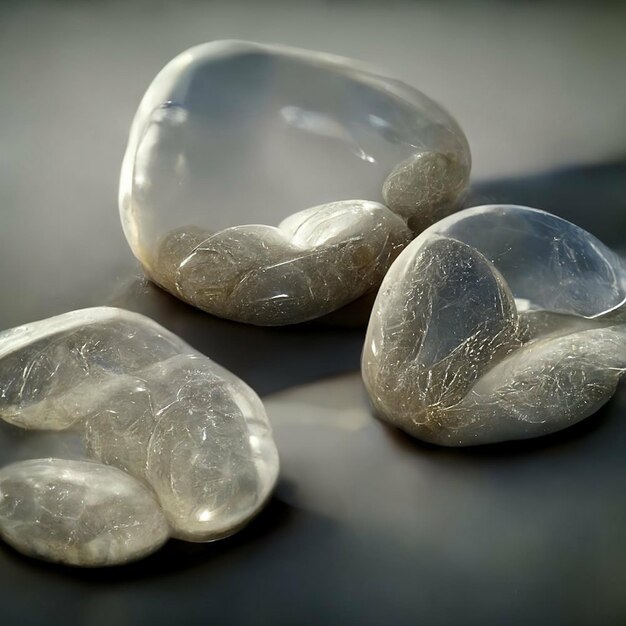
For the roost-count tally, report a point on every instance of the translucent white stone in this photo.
(233, 135)
(499, 322)
(78, 513)
(142, 400)
(549, 264)
(53, 371)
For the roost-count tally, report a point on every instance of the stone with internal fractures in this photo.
(52, 370)
(462, 348)
(78, 513)
(543, 387)
(426, 187)
(147, 403)
(198, 436)
(206, 464)
(315, 262)
(232, 137)
(118, 427)
(435, 331)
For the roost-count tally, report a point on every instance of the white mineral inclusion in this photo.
(192, 443)
(496, 323)
(235, 142)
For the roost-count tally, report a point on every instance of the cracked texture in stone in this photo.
(426, 187)
(499, 322)
(78, 513)
(315, 261)
(114, 387)
(233, 141)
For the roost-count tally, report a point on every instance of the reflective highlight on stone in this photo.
(499, 322)
(234, 143)
(143, 401)
(78, 513)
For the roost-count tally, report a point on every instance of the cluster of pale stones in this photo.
(153, 440)
(497, 323)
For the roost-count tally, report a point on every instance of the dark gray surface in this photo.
(366, 525)
(369, 526)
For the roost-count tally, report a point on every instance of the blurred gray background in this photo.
(534, 85)
(367, 526)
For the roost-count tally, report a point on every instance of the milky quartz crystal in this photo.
(119, 435)
(272, 185)
(496, 323)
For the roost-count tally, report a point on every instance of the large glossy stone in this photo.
(496, 323)
(142, 400)
(78, 513)
(235, 142)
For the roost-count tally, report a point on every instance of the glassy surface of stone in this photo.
(78, 513)
(499, 322)
(233, 135)
(114, 387)
(316, 260)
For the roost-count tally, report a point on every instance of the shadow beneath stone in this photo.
(174, 556)
(269, 359)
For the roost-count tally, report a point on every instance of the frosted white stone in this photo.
(234, 143)
(499, 322)
(142, 400)
(78, 513)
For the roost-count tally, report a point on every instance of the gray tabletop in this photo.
(367, 526)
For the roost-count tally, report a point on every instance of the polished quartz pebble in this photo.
(499, 322)
(272, 185)
(78, 513)
(114, 387)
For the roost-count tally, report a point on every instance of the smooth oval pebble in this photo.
(210, 458)
(78, 513)
(142, 400)
(496, 323)
(234, 142)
